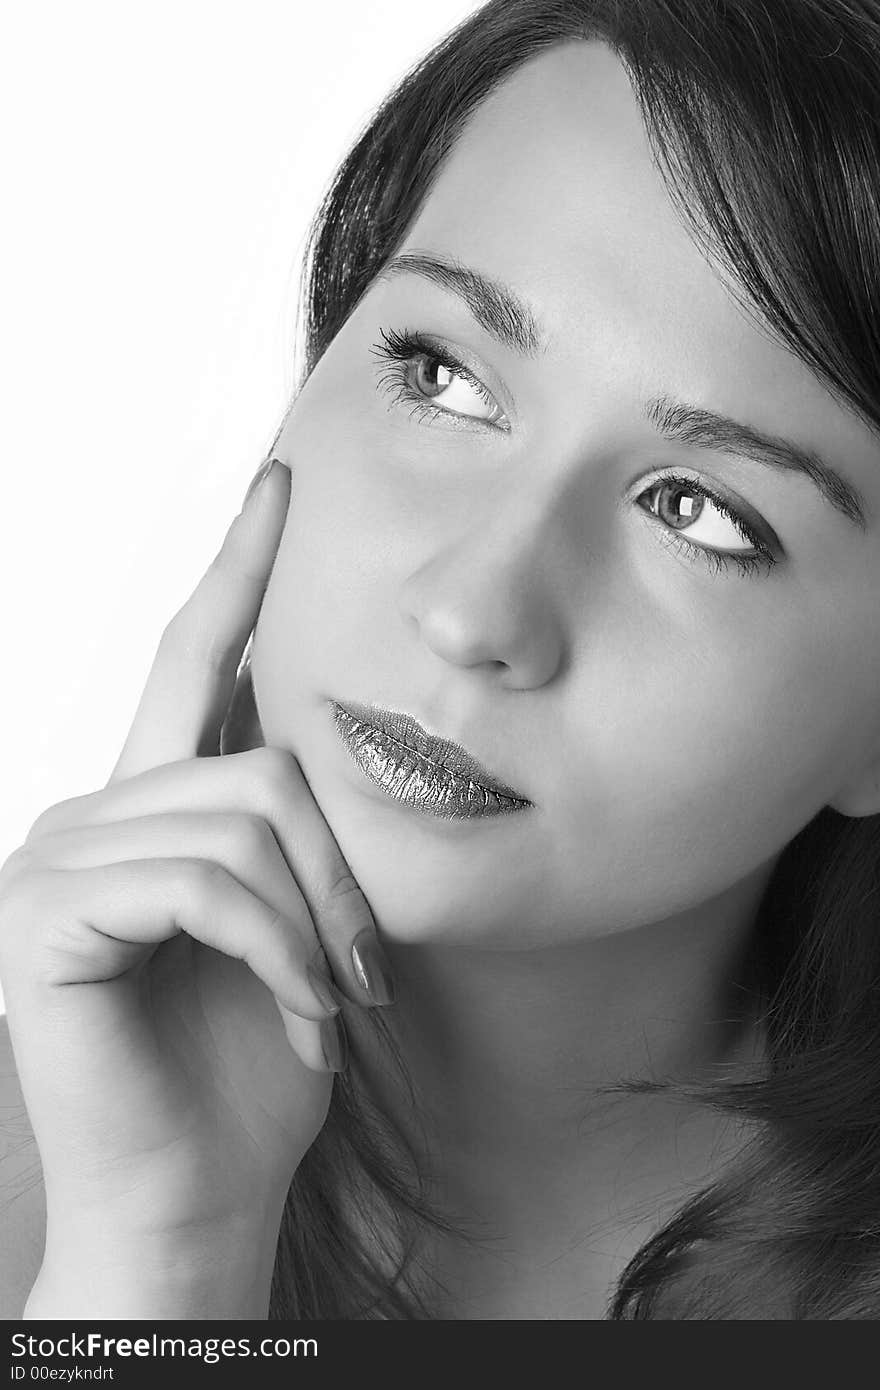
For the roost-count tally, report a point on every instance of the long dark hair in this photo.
(764, 118)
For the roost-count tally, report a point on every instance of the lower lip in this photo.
(413, 780)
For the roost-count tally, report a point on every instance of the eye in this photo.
(430, 378)
(707, 525)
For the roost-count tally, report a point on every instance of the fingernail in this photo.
(324, 990)
(372, 968)
(335, 1044)
(259, 477)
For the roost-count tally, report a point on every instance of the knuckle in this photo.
(247, 836)
(31, 891)
(289, 941)
(197, 882)
(342, 888)
(279, 778)
(10, 911)
(41, 825)
(29, 907)
(279, 925)
(50, 819)
(173, 637)
(276, 766)
(17, 862)
(66, 940)
(186, 642)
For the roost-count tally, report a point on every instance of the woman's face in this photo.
(497, 554)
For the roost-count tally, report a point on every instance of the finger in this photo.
(244, 845)
(328, 1044)
(99, 923)
(339, 907)
(190, 684)
(241, 729)
(266, 782)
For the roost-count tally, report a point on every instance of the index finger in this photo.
(191, 681)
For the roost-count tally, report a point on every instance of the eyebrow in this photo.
(494, 305)
(514, 324)
(705, 429)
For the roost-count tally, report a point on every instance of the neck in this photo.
(505, 1050)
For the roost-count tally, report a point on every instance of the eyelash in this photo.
(397, 351)
(718, 561)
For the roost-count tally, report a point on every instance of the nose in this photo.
(487, 601)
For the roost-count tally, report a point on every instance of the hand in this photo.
(166, 946)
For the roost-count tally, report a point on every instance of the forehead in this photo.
(552, 187)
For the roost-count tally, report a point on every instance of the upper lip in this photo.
(412, 735)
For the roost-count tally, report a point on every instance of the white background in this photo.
(162, 163)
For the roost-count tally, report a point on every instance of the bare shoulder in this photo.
(22, 1197)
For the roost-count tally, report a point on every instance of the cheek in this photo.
(312, 620)
(346, 455)
(331, 594)
(330, 534)
(707, 761)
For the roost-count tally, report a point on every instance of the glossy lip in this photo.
(450, 780)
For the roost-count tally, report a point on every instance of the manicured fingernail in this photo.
(335, 1044)
(259, 477)
(372, 968)
(324, 990)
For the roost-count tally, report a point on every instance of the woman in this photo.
(592, 339)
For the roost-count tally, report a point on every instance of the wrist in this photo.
(218, 1273)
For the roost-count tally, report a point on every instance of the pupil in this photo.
(678, 512)
(431, 376)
